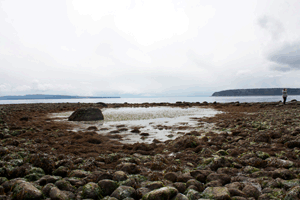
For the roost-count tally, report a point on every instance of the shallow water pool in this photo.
(140, 124)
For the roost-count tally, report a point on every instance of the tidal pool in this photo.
(140, 124)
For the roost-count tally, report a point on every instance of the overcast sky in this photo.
(147, 47)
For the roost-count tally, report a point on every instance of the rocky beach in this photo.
(250, 151)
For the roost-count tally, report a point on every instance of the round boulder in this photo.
(86, 114)
(26, 190)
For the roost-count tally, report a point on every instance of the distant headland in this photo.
(257, 92)
(47, 96)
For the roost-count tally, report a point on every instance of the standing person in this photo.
(284, 95)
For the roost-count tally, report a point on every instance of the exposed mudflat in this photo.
(245, 150)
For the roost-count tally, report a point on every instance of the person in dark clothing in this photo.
(284, 95)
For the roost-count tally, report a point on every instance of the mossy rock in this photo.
(262, 155)
(193, 194)
(164, 193)
(216, 193)
(107, 186)
(138, 177)
(91, 190)
(33, 177)
(293, 193)
(123, 192)
(61, 171)
(26, 191)
(2, 180)
(250, 169)
(17, 162)
(79, 173)
(222, 152)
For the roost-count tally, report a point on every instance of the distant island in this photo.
(257, 92)
(47, 96)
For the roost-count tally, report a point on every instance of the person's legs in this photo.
(284, 100)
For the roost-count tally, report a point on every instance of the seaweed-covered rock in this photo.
(180, 196)
(199, 186)
(140, 192)
(132, 182)
(273, 183)
(2, 180)
(9, 185)
(79, 173)
(262, 137)
(57, 194)
(292, 143)
(64, 162)
(171, 176)
(61, 171)
(109, 198)
(35, 173)
(153, 185)
(76, 181)
(236, 192)
(287, 184)
(251, 191)
(188, 141)
(119, 176)
(283, 173)
(279, 163)
(100, 176)
(184, 177)
(256, 162)
(124, 191)
(26, 191)
(107, 186)
(44, 161)
(65, 185)
(165, 193)
(2, 190)
(294, 193)
(220, 162)
(181, 187)
(193, 195)
(37, 170)
(215, 183)
(250, 169)
(200, 175)
(262, 155)
(47, 179)
(92, 191)
(221, 193)
(86, 114)
(224, 178)
(236, 185)
(47, 188)
(192, 187)
(240, 198)
(130, 168)
(3, 151)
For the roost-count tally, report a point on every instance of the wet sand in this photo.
(255, 143)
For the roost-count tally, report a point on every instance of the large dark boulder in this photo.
(86, 114)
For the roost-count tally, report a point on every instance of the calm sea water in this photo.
(157, 100)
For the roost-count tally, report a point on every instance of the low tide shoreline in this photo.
(254, 155)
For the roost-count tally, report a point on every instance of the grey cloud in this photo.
(286, 58)
(272, 25)
(281, 68)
